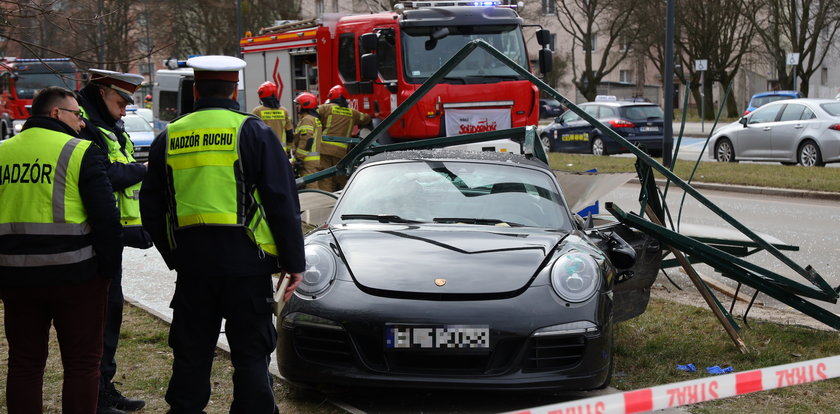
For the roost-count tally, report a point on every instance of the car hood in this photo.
(471, 260)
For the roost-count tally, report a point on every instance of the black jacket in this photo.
(122, 175)
(228, 250)
(103, 216)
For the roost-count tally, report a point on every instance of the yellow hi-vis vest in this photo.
(128, 199)
(207, 176)
(39, 196)
(338, 111)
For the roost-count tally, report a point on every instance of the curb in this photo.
(746, 189)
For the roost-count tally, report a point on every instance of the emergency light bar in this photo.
(422, 4)
(44, 60)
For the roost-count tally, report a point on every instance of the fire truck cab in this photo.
(20, 79)
(381, 59)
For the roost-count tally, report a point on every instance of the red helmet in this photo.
(337, 91)
(267, 89)
(148, 97)
(307, 100)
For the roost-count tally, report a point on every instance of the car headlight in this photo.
(575, 277)
(320, 271)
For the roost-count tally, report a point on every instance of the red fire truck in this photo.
(404, 48)
(21, 78)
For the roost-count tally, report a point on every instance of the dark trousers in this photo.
(113, 323)
(199, 304)
(78, 313)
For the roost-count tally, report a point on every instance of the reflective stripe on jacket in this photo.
(39, 195)
(128, 200)
(309, 129)
(207, 176)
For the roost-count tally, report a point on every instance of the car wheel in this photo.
(598, 147)
(809, 155)
(546, 143)
(724, 152)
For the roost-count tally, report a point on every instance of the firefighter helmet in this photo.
(148, 98)
(307, 100)
(267, 89)
(337, 91)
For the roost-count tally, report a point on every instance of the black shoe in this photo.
(108, 410)
(111, 397)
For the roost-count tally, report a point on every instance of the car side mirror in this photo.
(620, 252)
(559, 120)
(743, 121)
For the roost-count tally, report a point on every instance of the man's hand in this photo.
(294, 282)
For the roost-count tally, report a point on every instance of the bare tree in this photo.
(807, 27)
(608, 21)
(714, 30)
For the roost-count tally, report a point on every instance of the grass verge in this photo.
(144, 367)
(648, 349)
(761, 175)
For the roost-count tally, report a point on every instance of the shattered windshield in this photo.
(425, 53)
(453, 192)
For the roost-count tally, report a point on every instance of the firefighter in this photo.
(221, 205)
(338, 121)
(308, 136)
(148, 101)
(103, 103)
(274, 115)
(57, 254)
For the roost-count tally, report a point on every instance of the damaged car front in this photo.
(441, 269)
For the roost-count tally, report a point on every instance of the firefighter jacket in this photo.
(58, 220)
(339, 121)
(279, 121)
(308, 140)
(219, 193)
(123, 170)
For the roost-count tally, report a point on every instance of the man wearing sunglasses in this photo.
(59, 248)
(103, 103)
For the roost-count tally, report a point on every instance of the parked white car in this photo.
(791, 131)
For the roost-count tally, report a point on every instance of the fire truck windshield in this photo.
(27, 84)
(425, 53)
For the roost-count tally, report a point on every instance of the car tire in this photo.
(724, 151)
(809, 155)
(598, 146)
(546, 142)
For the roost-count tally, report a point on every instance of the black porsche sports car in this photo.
(444, 269)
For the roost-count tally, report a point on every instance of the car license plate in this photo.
(437, 337)
(649, 129)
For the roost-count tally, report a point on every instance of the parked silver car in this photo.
(791, 131)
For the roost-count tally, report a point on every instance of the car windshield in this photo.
(29, 83)
(136, 123)
(424, 56)
(833, 108)
(453, 192)
(641, 112)
(764, 100)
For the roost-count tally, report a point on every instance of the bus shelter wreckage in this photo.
(723, 249)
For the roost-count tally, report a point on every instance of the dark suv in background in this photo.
(638, 122)
(549, 108)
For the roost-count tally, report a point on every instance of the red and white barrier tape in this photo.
(699, 390)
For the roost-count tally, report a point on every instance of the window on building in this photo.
(625, 76)
(548, 6)
(591, 41)
(624, 43)
(824, 76)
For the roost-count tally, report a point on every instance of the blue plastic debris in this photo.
(716, 370)
(687, 368)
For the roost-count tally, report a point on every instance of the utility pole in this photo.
(238, 27)
(668, 78)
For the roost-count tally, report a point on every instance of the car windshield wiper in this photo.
(382, 218)
(475, 220)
